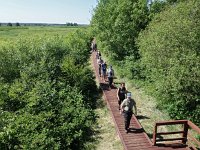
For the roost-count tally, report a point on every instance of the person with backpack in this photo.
(121, 93)
(104, 68)
(110, 73)
(98, 54)
(127, 109)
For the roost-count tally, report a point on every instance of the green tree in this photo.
(17, 24)
(170, 55)
(157, 7)
(9, 24)
(118, 23)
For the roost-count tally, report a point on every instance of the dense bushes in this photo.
(165, 56)
(170, 52)
(46, 93)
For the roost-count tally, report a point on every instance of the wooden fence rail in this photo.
(186, 137)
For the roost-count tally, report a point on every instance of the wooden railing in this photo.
(185, 138)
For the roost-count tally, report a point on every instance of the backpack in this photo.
(110, 73)
(94, 46)
(104, 67)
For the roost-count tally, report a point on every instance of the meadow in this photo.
(11, 33)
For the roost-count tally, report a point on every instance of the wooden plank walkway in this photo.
(137, 138)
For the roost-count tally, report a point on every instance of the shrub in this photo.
(48, 103)
(169, 50)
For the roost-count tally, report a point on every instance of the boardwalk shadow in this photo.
(104, 86)
(117, 84)
(150, 135)
(136, 130)
(142, 117)
(172, 145)
(165, 145)
(113, 87)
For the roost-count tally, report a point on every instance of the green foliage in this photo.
(17, 24)
(77, 42)
(118, 23)
(157, 7)
(46, 93)
(9, 63)
(170, 55)
(16, 32)
(9, 24)
(175, 1)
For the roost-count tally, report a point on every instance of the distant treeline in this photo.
(40, 24)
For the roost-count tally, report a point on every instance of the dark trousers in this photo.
(120, 101)
(99, 71)
(110, 81)
(127, 118)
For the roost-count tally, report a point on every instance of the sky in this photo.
(47, 11)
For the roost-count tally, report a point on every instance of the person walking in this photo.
(110, 73)
(127, 109)
(121, 93)
(104, 68)
(99, 62)
(98, 54)
(94, 45)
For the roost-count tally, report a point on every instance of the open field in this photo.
(10, 33)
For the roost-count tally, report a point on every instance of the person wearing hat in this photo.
(127, 109)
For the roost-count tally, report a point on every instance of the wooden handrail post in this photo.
(185, 129)
(184, 132)
(154, 134)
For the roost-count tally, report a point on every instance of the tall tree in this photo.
(118, 23)
(170, 53)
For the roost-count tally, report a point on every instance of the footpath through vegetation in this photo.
(157, 49)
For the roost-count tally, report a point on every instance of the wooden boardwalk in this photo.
(137, 138)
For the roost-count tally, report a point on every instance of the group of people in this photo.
(126, 103)
(105, 72)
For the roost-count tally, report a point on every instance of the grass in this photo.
(107, 136)
(11, 33)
